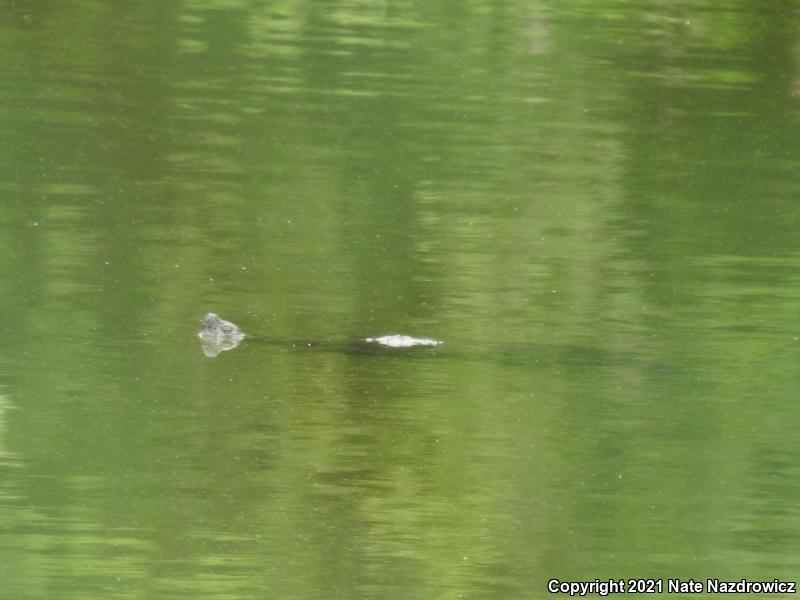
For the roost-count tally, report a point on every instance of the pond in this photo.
(594, 206)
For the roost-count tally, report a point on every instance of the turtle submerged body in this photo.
(217, 335)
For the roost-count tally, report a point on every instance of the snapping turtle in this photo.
(217, 335)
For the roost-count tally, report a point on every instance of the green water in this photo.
(594, 204)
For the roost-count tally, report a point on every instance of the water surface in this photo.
(594, 206)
